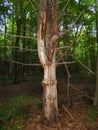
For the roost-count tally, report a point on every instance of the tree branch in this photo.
(13, 35)
(61, 63)
(23, 49)
(81, 92)
(64, 8)
(74, 42)
(65, 109)
(83, 65)
(41, 33)
(64, 32)
(33, 6)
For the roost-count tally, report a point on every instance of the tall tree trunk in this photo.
(24, 44)
(46, 38)
(96, 90)
(16, 48)
(23, 56)
(50, 94)
(11, 63)
(15, 52)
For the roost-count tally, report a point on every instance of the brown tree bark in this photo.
(24, 43)
(15, 52)
(46, 38)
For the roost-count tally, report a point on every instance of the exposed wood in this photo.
(40, 40)
(46, 38)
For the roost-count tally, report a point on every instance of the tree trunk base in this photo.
(49, 123)
(50, 107)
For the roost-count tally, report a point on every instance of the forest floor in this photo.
(21, 106)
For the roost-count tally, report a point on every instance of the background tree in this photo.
(18, 32)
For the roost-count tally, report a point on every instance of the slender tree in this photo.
(24, 41)
(46, 38)
(15, 50)
(11, 64)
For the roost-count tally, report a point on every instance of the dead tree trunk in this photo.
(46, 38)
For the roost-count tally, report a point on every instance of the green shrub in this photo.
(92, 114)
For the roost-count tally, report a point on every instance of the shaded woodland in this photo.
(48, 65)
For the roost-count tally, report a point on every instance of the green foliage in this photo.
(92, 114)
(28, 14)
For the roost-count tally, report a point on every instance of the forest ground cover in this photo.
(21, 105)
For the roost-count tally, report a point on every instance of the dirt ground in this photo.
(72, 117)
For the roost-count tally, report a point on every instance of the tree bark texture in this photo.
(46, 38)
(15, 53)
(15, 50)
(24, 43)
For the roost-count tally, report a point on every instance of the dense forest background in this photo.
(18, 45)
(19, 62)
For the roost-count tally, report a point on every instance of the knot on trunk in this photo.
(47, 82)
(54, 38)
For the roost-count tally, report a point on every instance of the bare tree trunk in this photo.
(24, 44)
(46, 38)
(50, 94)
(15, 53)
(15, 50)
(11, 64)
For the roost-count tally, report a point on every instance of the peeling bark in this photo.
(50, 94)
(46, 39)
